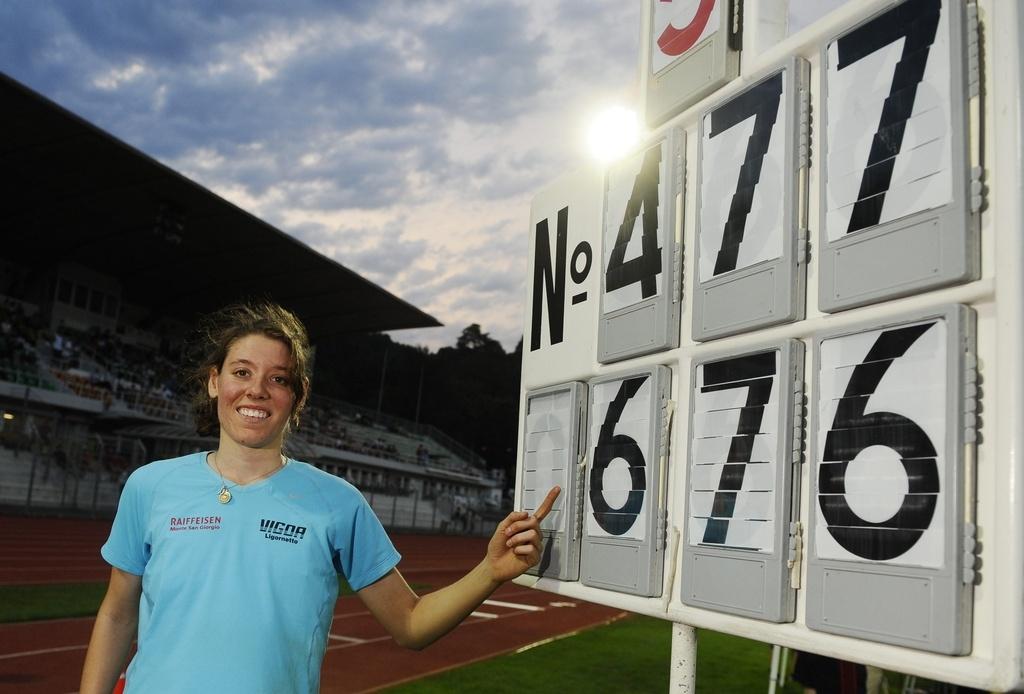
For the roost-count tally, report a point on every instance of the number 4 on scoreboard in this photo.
(641, 251)
(642, 205)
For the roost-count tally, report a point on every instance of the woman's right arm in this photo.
(112, 634)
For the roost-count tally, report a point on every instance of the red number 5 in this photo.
(675, 41)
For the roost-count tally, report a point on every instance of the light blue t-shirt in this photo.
(239, 597)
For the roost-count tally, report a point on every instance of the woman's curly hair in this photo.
(219, 330)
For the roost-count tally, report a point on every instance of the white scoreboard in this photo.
(774, 355)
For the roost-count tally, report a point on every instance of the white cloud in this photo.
(404, 140)
(110, 80)
(267, 54)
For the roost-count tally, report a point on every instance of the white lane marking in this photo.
(42, 651)
(339, 646)
(346, 615)
(346, 639)
(485, 615)
(514, 605)
(562, 604)
(517, 593)
(350, 645)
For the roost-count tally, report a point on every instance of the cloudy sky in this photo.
(404, 139)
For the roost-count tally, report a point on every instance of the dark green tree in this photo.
(469, 391)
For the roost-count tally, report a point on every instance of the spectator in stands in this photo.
(215, 593)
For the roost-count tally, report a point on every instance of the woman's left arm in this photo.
(416, 622)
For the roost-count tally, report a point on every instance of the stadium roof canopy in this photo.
(74, 193)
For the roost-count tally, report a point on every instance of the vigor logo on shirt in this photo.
(281, 531)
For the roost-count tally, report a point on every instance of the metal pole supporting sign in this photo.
(683, 676)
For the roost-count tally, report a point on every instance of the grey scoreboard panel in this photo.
(746, 424)
(751, 236)
(641, 251)
(555, 435)
(625, 518)
(694, 50)
(885, 543)
(890, 554)
(897, 215)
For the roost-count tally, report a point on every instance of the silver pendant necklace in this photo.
(224, 495)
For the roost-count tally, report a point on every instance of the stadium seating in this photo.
(19, 361)
(413, 475)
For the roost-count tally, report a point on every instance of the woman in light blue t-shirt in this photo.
(217, 554)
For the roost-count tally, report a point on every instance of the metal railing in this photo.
(404, 513)
(403, 425)
(76, 474)
(154, 405)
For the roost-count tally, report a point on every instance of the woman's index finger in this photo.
(545, 507)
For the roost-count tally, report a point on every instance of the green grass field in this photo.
(31, 602)
(630, 655)
(27, 603)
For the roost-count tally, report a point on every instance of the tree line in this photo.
(470, 390)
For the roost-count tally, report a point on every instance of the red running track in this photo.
(46, 657)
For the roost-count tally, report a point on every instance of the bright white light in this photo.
(613, 133)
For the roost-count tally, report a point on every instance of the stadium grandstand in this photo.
(108, 258)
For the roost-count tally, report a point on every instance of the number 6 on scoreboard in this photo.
(624, 527)
(888, 557)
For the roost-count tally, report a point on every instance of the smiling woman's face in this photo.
(253, 390)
